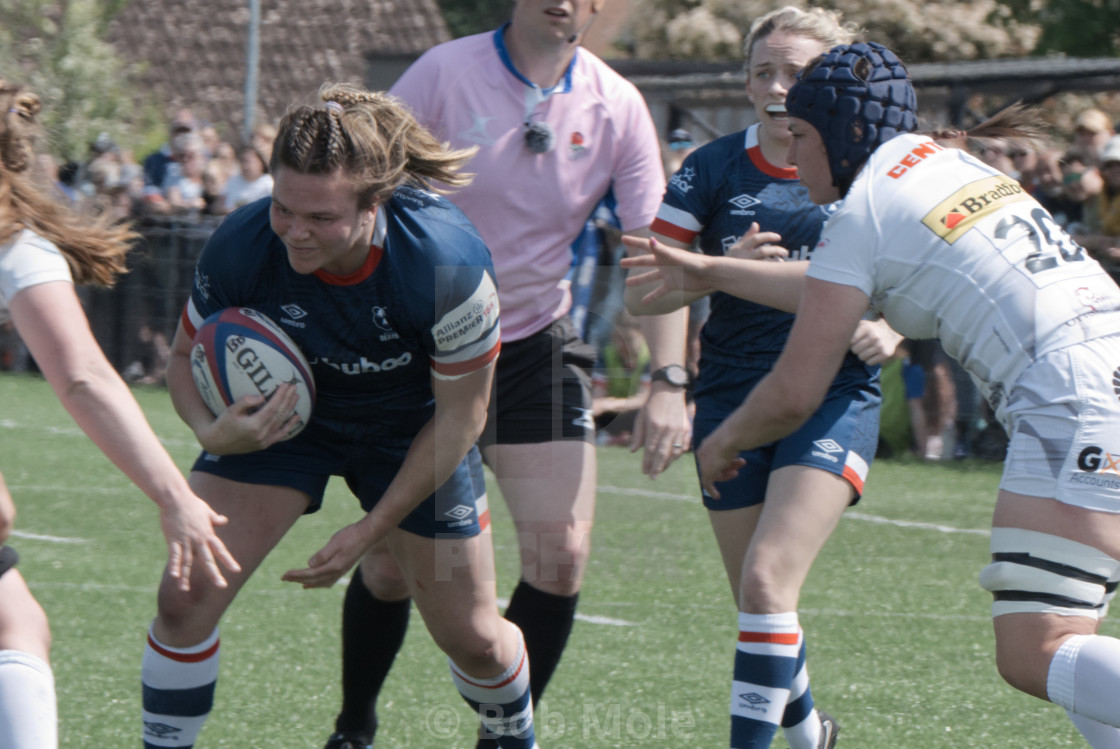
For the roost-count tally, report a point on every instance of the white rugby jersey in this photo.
(28, 260)
(947, 247)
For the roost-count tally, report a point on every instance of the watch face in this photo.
(674, 375)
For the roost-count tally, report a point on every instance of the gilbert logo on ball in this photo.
(239, 351)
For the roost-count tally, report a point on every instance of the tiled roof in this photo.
(194, 51)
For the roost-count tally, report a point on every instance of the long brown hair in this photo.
(95, 247)
(1017, 122)
(372, 136)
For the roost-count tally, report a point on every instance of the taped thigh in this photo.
(1039, 573)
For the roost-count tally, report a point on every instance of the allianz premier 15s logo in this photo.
(958, 213)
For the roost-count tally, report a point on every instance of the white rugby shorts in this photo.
(1064, 417)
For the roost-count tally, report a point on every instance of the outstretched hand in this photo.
(334, 560)
(188, 526)
(672, 269)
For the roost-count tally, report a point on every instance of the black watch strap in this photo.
(674, 374)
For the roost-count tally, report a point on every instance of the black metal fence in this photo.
(146, 302)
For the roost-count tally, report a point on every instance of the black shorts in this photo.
(542, 390)
(8, 558)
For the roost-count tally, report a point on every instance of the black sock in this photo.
(372, 633)
(545, 619)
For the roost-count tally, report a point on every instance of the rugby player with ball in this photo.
(389, 293)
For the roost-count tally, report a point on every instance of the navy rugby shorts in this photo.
(458, 509)
(840, 438)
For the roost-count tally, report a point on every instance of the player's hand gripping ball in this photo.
(238, 351)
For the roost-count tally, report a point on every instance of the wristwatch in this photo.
(674, 374)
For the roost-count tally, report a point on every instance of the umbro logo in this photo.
(742, 203)
(753, 701)
(160, 730)
(294, 311)
(828, 446)
(460, 512)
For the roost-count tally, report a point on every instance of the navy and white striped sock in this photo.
(503, 703)
(801, 724)
(178, 688)
(765, 665)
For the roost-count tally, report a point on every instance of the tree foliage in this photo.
(57, 48)
(1079, 28)
(933, 30)
(465, 17)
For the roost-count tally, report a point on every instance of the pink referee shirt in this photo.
(530, 207)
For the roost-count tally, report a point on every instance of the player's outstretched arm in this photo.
(664, 271)
(435, 452)
(51, 322)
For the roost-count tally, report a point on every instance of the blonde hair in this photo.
(94, 247)
(372, 136)
(818, 24)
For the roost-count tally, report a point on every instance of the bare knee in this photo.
(555, 560)
(382, 576)
(1025, 669)
(1026, 645)
(474, 649)
(184, 618)
(764, 590)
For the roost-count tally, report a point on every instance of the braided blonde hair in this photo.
(373, 137)
(94, 247)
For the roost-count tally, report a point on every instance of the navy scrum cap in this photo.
(858, 96)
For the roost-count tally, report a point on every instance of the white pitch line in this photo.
(589, 618)
(50, 539)
(630, 492)
(909, 524)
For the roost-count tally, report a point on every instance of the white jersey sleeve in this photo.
(946, 247)
(28, 260)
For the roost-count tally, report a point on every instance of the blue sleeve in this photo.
(228, 266)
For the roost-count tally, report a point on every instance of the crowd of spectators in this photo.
(194, 173)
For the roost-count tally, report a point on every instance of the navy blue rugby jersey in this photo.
(424, 305)
(720, 189)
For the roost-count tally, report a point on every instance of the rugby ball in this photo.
(239, 351)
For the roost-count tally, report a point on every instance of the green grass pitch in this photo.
(900, 642)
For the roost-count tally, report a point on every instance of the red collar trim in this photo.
(755, 154)
(361, 274)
